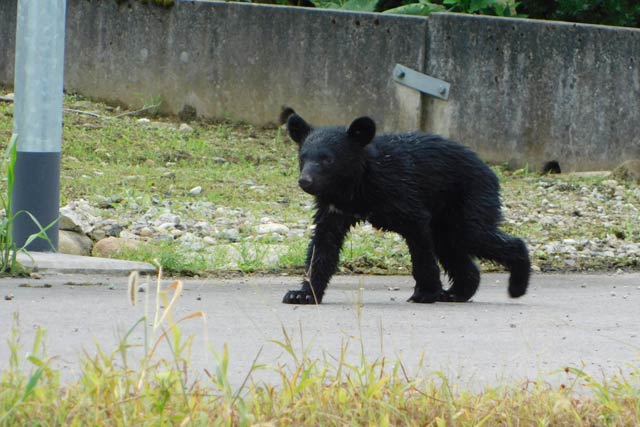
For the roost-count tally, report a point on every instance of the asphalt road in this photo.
(587, 321)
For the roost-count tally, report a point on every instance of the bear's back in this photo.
(429, 156)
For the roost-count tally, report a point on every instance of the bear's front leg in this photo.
(322, 257)
(425, 269)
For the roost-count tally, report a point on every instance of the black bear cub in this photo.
(436, 193)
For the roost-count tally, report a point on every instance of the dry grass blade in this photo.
(132, 287)
(176, 286)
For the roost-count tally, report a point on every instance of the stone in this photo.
(628, 171)
(77, 216)
(272, 228)
(110, 246)
(106, 228)
(185, 128)
(145, 232)
(74, 243)
(191, 242)
(109, 203)
(195, 191)
(230, 234)
(167, 218)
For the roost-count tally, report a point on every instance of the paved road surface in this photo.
(564, 320)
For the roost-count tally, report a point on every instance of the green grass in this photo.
(153, 164)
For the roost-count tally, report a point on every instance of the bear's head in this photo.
(331, 158)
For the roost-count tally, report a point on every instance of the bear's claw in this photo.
(442, 296)
(299, 297)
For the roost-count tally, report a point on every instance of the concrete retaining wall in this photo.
(244, 61)
(8, 12)
(522, 91)
(530, 91)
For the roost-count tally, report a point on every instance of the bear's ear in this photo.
(298, 129)
(362, 130)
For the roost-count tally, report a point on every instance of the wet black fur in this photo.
(434, 192)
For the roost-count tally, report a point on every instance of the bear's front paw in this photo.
(424, 298)
(300, 297)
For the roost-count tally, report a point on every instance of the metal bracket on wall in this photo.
(422, 82)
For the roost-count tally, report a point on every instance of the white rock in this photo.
(231, 234)
(202, 226)
(185, 128)
(166, 225)
(272, 228)
(146, 232)
(128, 234)
(191, 241)
(77, 216)
(168, 218)
(195, 191)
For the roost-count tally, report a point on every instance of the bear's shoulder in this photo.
(402, 145)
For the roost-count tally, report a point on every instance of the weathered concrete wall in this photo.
(8, 12)
(522, 91)
(244, 61)
(531, 91)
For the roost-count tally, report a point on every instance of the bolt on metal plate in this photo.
(421, 82)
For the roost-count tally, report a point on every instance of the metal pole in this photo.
(38, 118)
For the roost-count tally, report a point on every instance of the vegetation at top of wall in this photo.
(605, 12)
(624, 13)
(425, 7)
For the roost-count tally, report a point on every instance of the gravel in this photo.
(569, 225)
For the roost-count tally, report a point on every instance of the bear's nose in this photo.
(305, 182)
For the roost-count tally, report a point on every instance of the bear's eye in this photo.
(326, 159)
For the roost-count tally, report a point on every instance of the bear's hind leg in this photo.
(464, 277)
(509, 251)
(453, 254)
